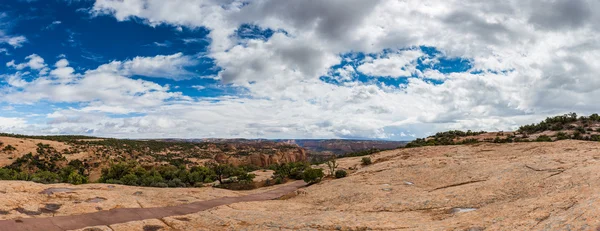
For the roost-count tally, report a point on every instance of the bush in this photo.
(173, 176)
(366, 161)
(113, 181)
(9, 148)
(312, 175)
(543, 138)
(75, 178)
(278, 180)
(130, 179)
(176, 183)
(293, 170)
(340, 174)
(562, 136)
(46, 177)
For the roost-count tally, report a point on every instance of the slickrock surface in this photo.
(525, 186)
(119, 217)
(521, 186)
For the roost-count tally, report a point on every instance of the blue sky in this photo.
(268, 69)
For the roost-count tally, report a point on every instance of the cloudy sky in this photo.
(377, 69)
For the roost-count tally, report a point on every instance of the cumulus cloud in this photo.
(34, 62)
(10, 124)
(100, 90)
(63, 71)
(160, 66)
(528, 59)
(401, 64)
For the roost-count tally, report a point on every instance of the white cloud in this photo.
(161, 66)
(63, 71)
(14, 41)
(401, 64)
(53, 25)
(99, 89)
(529, 59)
(34, 62)
(9, 124)
(198, 87)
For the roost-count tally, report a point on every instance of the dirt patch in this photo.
(95, 200)
(152, 227)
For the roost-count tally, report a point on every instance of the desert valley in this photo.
(168, 115)
(542, 177)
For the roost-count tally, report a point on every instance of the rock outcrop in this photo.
(264, 160)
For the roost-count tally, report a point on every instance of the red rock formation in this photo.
(264, 160)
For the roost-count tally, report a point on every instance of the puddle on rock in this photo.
(152, 227)
(50, 208)
(50, 191)
(28, 212)
(95, 200)
(182, 219)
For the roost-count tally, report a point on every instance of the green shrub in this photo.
(366, 161)
(291, 170)
(543, 138)
(130, 179)
(159, 185)
(9, 148)
(278, 180)
(340, 174)
(562, 136)
(245, 178)
(176, 183)
(76, 179)
(113, 181)
(198, 185)
(312, 175)
(46, 177)
(173, 176)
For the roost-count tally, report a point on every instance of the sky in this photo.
(312, 69)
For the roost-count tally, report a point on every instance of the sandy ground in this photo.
(23, 147)
(20, 199)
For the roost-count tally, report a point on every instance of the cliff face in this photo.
(262, 159)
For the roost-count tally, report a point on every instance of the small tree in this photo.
(312, 175)
(366, 161)
(332, 165)
(222, 171)
(340, 174)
